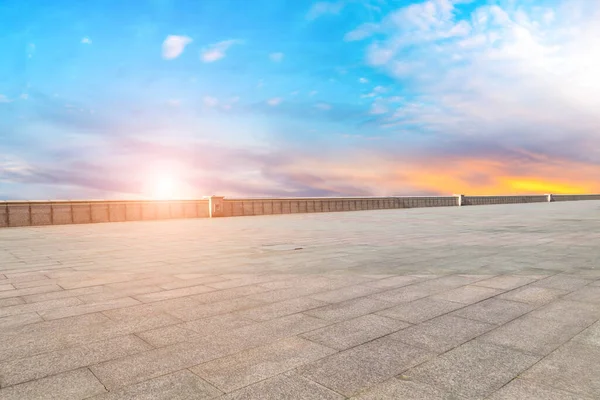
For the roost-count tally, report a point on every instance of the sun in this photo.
(165, 187)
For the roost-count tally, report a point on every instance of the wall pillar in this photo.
(549, 198)
(215, 206)
(460, 199)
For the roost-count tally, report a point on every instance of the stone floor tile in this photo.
(572, 368)
(34, 298)
(217, 324)
(210, 309)
(562, 282)
(182, 283)
(532, 335)
(353, 332)
(569, 312)
(168, 335)
(590, 336)
(474, 370)
(533, 295)
(11, 301)
(345, 293)
(41, 306)
(7, 286)
(280, 309)
(587, 294)
(494, 311)
(405, 294)
(15, 321)
(229, 294)
(349, 309)
(289, 386)
(505, 282)
(442, 333)
(29, 291)
(40, 366)
(522, 389)
(405, 390)
(467, 294)
(250, 366)
(394, 281)
(361, 367)
(181, 385)
(420, 310)
(87, 308)
(172, 294)
(73, 385)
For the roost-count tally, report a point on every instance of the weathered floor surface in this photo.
(489, 302)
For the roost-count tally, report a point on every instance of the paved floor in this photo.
(494, 302)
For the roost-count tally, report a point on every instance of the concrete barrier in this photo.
(59, 212)
(483, 200)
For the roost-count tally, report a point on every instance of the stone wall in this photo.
(37, 213)
(484, 200)
(242, 207)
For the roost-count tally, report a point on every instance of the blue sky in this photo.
(113, 99)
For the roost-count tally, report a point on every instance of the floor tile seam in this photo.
(441, 355)
(93, 342)
(91, 312)
(335, 351)
(544, 385)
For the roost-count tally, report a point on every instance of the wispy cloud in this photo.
(275, 101)
(174, 45)
(86, 40)
(276, 57)
(4, 99)
(321, 8)
(521, 76)
(218, 50)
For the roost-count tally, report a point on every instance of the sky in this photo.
(186, 98)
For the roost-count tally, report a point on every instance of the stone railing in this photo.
(36, 213)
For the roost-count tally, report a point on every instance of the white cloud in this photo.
(174, 45)
(174, 102)
(86, 40)
(210, 101)
(525, 75)
(218, 50)
(275, 101)
(312, 93)
(324, 8)
(323, 106)
(363, 80)
(276, 57)
(4, 99)
(24, 96)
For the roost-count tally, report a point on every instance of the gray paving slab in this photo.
(572, 368)
(442, 333)
(42, 365)
(420, 310)
(474, 370)
(528, 390)
(254, 365)
(200, 290)
(180, 385)
(73, 385)
(467, 294)
(289, 386)
(348, 309)
(407, 390)
(353, 332)
(494, 311)
(533, 295)
(354, 370)
(533, 335)
(505, 282)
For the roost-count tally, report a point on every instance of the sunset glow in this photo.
(323, 98)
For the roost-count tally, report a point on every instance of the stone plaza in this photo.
(489, 302)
